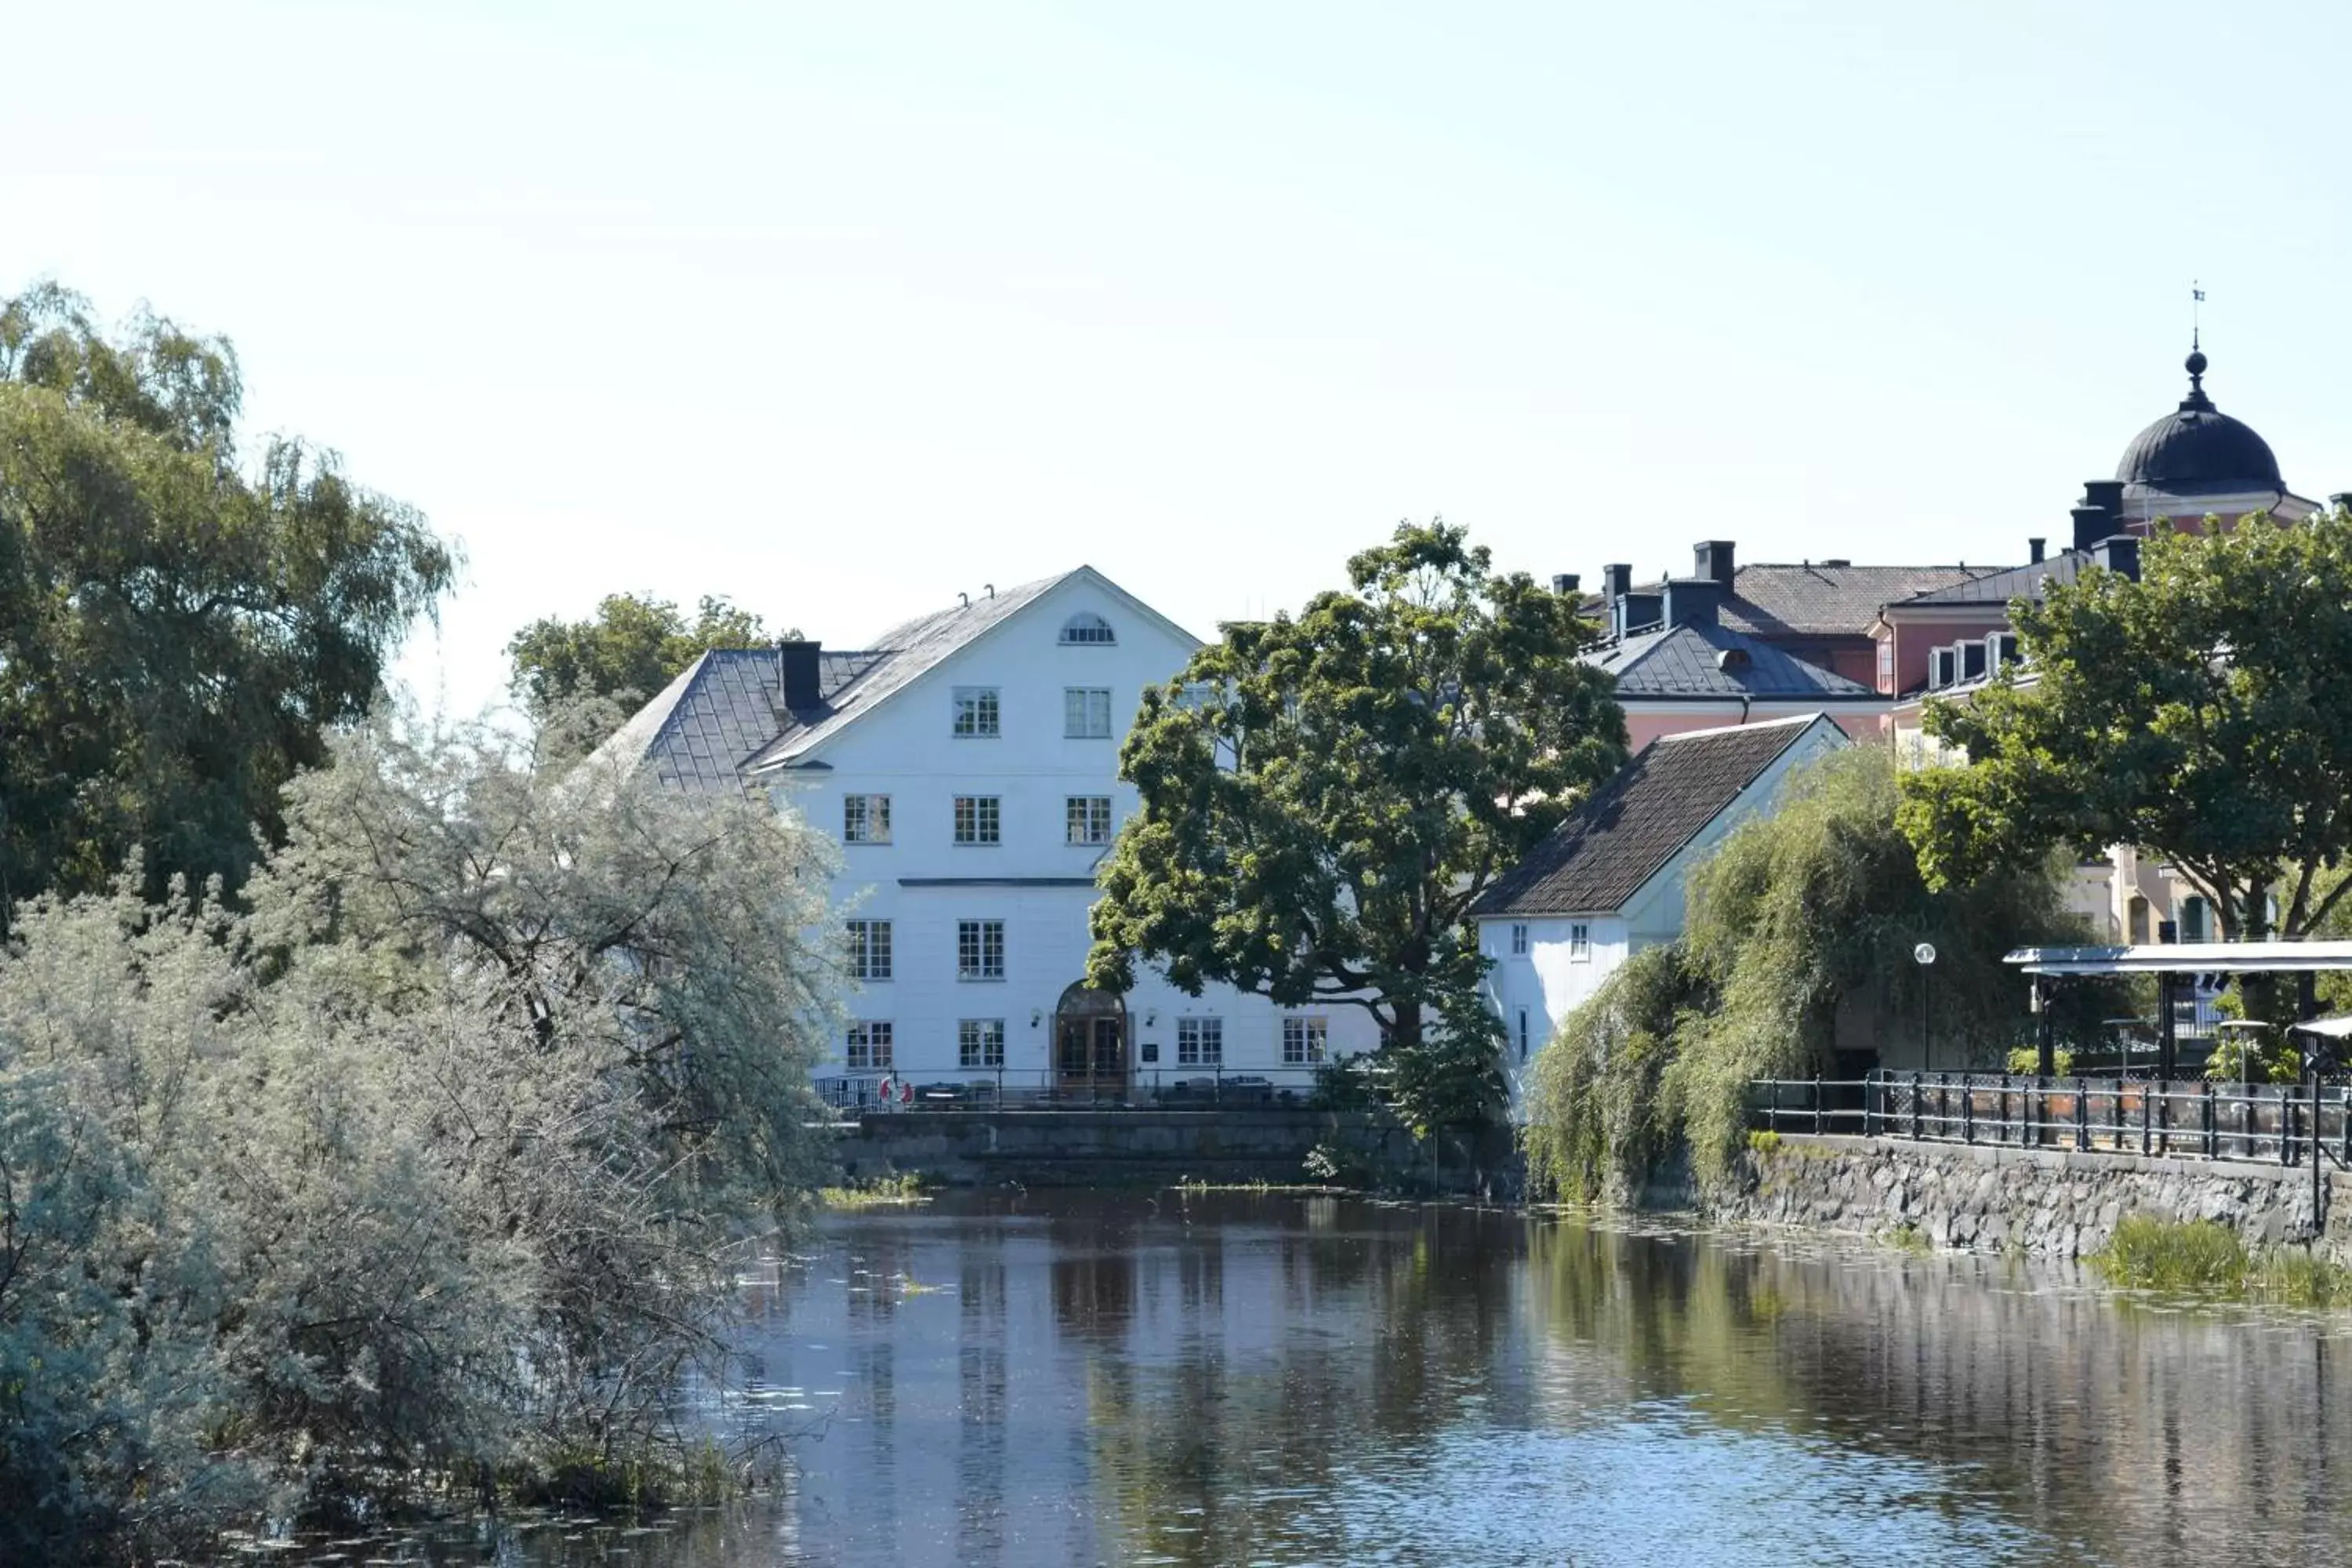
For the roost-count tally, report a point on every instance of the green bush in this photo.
(2025, 1061)
(2199, 1257)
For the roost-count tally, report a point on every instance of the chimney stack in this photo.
(1616, 581)
(1694, 601)
(1713, 562)
(1634, 613)
(796, 675)
(1565, 584)
(2100, 513)
(2119, 554)
(2033, 550)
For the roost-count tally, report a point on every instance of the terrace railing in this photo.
(2272, 1123)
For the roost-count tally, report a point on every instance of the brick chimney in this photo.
(1713, 562)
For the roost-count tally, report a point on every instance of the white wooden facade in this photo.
(1546, 962)
(984, 907)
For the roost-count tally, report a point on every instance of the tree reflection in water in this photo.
(1223, 1378)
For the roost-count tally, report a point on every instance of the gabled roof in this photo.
(723, 718)
(903, 655)
(723, 708)
(1688, 661)
(1611, 845)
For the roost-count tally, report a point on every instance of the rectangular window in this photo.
(1886, 663)
(977, 712)
(866, 819)
(1523, 1034)
(1086, 713)
(1199, 1042)
(869, 949)
(869, 1046)
(980, 1043)
(1090, 819)
(1518, 942)
(1302, 1040)
(1580, 942)
(979, 819)
(979, 950)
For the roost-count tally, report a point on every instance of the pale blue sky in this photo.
(839, 310)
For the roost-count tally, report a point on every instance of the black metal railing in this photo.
(2275, 1123)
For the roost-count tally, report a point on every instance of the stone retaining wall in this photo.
(2043, 1202)
(1096, 1148)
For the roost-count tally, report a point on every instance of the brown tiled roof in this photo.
(1776, 598)
(1770, 597)
(1612, 844)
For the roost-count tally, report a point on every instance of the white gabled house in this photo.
(1609, 881)
(967, 763)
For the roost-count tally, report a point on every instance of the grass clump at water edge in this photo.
(2202, 1257)
(875, 1192)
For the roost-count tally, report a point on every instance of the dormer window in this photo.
(1086, 629)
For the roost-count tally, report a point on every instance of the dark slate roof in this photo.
(2001, 587)
(697, 733)
(1615, 842)
(2196, 449)
(1687, 661)
(723, 718)
(1781, 599)
(906, 653)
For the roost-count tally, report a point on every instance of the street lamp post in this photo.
(1925, 954)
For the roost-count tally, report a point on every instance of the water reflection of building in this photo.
(1265, 1375)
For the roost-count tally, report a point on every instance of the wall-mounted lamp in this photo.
(1150, 1016)
(1036, 1016)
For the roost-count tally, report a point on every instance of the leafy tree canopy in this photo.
(2203, 713)
(1323, 798)
(177, 633)
(633, 646)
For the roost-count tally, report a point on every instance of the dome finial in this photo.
(2195, 364)
(2196, 361)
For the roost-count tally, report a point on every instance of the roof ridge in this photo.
(1802, 718)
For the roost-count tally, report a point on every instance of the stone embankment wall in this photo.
(2041, 1202)
(1108, 1148)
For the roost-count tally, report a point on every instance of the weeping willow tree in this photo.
(1800, 915)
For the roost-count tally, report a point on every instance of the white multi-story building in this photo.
(967, 762)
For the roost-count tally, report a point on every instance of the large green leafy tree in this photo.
(631, 648)
(1323, 797)
(178, 631)
(2202, 712)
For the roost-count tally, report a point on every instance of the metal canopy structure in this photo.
(2167, 962)
(2188, 957)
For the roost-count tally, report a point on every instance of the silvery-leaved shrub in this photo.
(427, 1165)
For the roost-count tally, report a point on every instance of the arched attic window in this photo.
(1088, 629)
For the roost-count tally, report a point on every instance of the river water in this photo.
(1230, 1378)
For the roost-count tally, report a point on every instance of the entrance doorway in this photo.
(1091, 1044)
